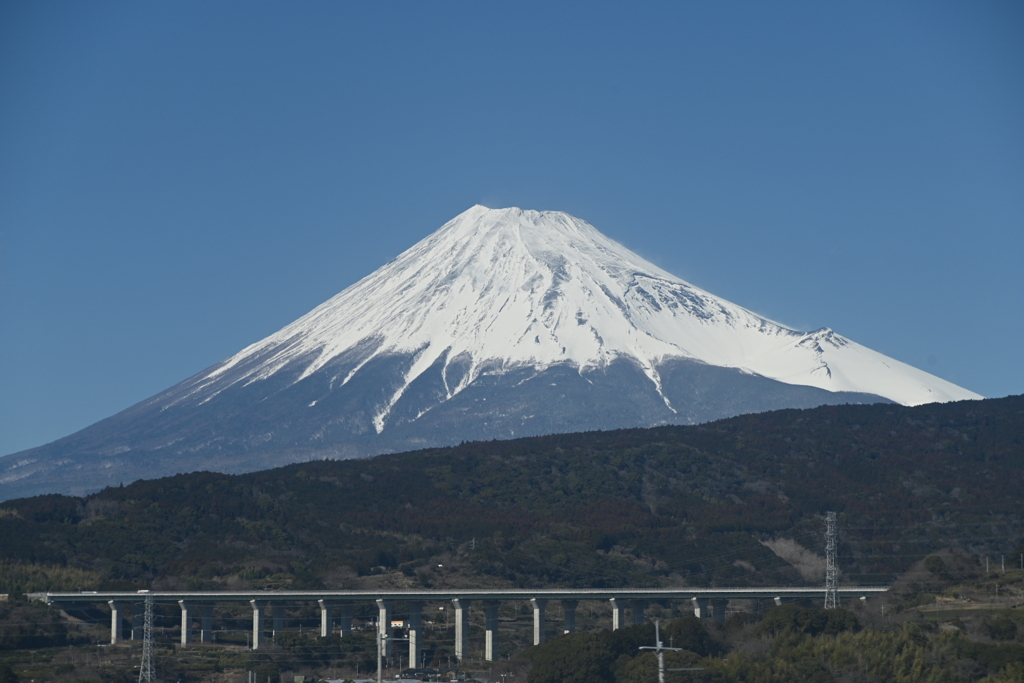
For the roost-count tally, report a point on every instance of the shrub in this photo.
(935, 565)
(575, 658)
(7, 674)
(1002, 627)
(796, 619)
(688, 632)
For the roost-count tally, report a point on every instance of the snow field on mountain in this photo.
(509, 288)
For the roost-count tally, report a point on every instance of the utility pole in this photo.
(382, 639)
(380, 655)
(146, 673)
(659, 650)
(831, 569)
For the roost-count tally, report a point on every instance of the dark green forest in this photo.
(924, 495)
(671, 505)
(789, 644)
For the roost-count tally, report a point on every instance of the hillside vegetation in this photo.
(672, 505)
(924, 495)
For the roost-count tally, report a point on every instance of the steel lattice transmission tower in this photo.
(146, 672)
(831, 569)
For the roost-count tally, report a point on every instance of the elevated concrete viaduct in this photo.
(707, 603)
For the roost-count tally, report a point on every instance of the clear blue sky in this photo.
(180, 179)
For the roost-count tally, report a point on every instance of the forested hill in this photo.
(664, 506)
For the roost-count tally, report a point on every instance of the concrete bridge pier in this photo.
(461, 627)
(138, 613)
(491, 629)
(326, 618)
(278, 617)
(384, 624)
(415, 632)
(718, 606)
(539, 605)
(569, 615)
(116, 615)
(187, 610)
(638, 611)
(700, 608)
(259, 612)
(618, 613)
(206, 624)
(345, 618)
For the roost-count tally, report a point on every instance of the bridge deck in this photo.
(337, 607)
(447, 594)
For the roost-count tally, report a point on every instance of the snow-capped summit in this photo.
(502, 323)
(508, 288)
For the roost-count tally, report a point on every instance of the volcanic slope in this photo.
(503, 323)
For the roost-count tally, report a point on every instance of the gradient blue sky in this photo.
(180, 179)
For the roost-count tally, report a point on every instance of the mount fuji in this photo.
(503, 323)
